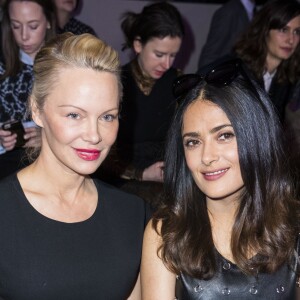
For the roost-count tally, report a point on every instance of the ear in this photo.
(35, 113)
(137, 45)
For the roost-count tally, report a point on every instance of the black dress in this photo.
(44, 259)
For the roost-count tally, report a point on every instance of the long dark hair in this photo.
(252, 47)
(156, 20)
(266, 220)
(10, 48)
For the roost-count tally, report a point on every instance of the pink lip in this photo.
(287, 49)
(88, 154)
(159, 73)
(215, 174)
(26, 47)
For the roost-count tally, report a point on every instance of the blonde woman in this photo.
(65, 235)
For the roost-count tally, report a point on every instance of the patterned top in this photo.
(76, 27)
(14, 92)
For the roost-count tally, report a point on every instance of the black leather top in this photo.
(230, 283)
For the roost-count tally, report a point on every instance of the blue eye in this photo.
(73, 116)
(109, 117)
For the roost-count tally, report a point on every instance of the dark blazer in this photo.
(228, 22)
(279, 93)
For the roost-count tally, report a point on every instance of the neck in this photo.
(222, 211)
(272, 63)
(62, 18)
(143, 81)
(222, 217)
(64, 184)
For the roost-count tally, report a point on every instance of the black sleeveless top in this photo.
(45, 259)
(230, 282)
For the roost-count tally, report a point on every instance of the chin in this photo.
(87, 169)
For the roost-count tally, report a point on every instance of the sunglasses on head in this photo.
(221, 75)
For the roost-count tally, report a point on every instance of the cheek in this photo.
(191, 160)
(109, 134)
(17, 36)
(270, 42)
(61, 132)
(297, 40)
(40, 35)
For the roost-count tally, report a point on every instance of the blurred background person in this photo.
(227, 24)
(155, 35)
(270, 50)
(26, 25)
(66, 22)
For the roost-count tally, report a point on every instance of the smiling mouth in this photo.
(216, 172)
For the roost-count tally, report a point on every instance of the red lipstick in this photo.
(88, 154)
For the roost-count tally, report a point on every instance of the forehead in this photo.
(83, 85)
(203, 114)
(165, 44)
(294, 23)
(28, 10)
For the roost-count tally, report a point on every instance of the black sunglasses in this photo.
(221, 75)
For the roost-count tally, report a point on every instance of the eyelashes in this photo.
(224, 137)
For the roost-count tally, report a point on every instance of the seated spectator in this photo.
(65, 235)
(227, 24)
(26, 25)
(65, 20)
(270, 50)
(229, 226)
(155, 34)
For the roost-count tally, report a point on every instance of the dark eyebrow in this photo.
(214, 130)
(218, 128)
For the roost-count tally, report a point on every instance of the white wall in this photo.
(104, 17)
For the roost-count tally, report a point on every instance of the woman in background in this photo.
(270, 50)
(26, 25)
(65, 20)
(155, 35)
(229, 225)
(65, 235)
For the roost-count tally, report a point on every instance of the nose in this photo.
(24, 34)
(167, 62)
(92, 133)
(291, 37)
(209, 154)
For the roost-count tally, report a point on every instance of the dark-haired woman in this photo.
(26, 25)
(65, 20)
(270, 49)
(155, 35)
(229, 224)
